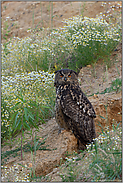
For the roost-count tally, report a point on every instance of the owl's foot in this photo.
(81, 146)
(61, 130)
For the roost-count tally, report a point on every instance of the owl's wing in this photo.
(80, 113)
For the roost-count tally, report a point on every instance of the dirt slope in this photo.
(59, 145)
(18, 17)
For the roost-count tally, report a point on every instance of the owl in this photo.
(73, 110)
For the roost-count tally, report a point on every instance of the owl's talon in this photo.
(61, 130)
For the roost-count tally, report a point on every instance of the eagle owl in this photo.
(73, 111)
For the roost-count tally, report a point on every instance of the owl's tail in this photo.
(82, 146)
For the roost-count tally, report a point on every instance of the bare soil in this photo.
(93, 79)
(47, 161)
(21, 16)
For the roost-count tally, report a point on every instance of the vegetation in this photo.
(28, 94)
(80, 42)
(116, 86)
(101, 162)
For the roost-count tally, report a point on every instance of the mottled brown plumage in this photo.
(73, 110)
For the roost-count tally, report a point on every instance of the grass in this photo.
(107, 162)
(116, 86)
(28, 65)
(14, 171)
(28, 147)
(36, 87)
(80, 42)
(98, 163)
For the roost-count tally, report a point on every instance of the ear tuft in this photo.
(75, 73)
(56, 71)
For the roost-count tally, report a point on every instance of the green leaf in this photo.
(102, 117)
(14, 115)
(37, 116)
(36, 99)
(116, 152)
(33, 124)
(26, 125)
(15, 121)
(18, 125)
(14, 106)
(23, 166)
(21, 98)
(21, 93)
(30, 114)
(37, 143)
(33, 104)
(95, 146)
(25, 112)
(44, 106)
(42, 119)
(16, 118)
(117, 126)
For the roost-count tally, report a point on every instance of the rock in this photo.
(59, 145)
(67, 142)
(109, 106)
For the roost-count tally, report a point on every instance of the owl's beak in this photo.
(65, 79)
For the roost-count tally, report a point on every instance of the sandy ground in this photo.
(18, 17)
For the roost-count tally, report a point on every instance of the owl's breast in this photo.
(59, 115)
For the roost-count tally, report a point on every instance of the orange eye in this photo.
(61, 76)
(69, 76)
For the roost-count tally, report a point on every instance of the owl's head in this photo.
(65, 77)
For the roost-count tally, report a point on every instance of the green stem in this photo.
(51, 15)
(22, 140)
(41, 15)
(33, 19)
(21, 146)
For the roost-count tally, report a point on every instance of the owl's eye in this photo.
(61, 76)
(69, 75)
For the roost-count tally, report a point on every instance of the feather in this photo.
(73, 110)
(80, 118)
